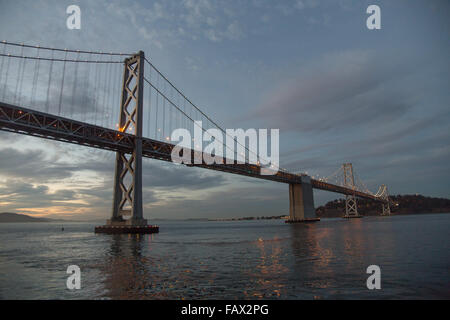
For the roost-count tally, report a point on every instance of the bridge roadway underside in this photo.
(38, 124)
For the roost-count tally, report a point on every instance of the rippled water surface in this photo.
(231, 260)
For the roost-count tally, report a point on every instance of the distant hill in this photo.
(15, 217)
(404, 204)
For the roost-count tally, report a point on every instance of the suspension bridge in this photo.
(73, 96)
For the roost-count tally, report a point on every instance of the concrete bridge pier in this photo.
(301, 202)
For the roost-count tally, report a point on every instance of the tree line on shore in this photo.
(402, 204)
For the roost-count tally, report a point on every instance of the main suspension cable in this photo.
(68, 50)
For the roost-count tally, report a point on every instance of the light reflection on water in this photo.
(231, 260)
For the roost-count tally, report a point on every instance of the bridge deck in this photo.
(34, 123)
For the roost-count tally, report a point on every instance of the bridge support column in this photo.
(128, 173)
(301, 202)
(386, 206)
(351, 208)
(386, 209)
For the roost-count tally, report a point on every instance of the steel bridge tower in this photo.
(128, 173)
(127, 199)
(351, 208)
(386, 206)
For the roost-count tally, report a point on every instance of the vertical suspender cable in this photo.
(101, 94)
(62, 85)
(108, 108)
(19, 71)
(3, 62)
(96, 85)
(164, 114)
(20, 93)
(111, 97)
(104, 110)
(149, 108)
(87, 85)
(74, 88)
(157, 107)
(35, 78)
(170, 115)
(49, 83)
(117, 99)
(6, 78)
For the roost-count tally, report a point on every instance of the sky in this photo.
(337, 91)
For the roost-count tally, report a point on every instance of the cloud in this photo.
(173, 176)
(168, 22)
(33, 165)
(259, 199)
(303, 4)
(83, 187)
(17, 195)
(341, 89)
(163, 175)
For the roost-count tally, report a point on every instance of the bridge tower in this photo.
(386, 206)
(351, 208)
(127, 199)
(301, 201)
